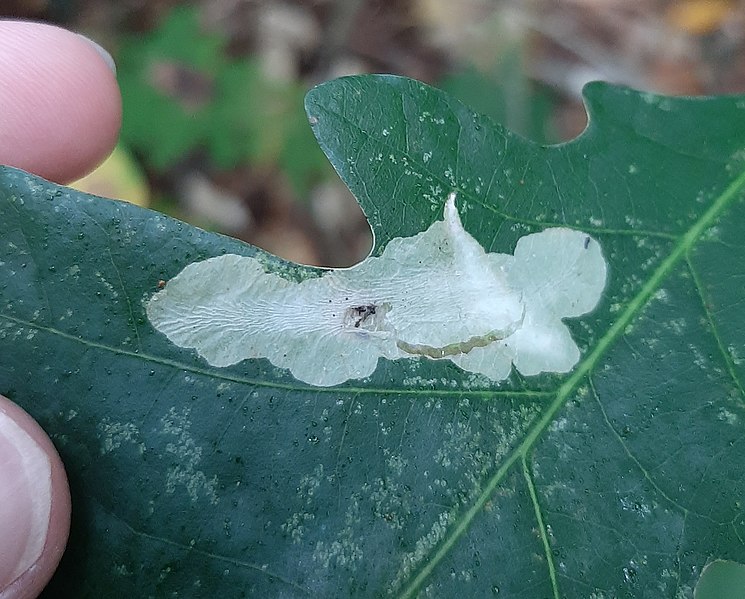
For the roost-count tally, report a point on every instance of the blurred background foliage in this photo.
(214, 130)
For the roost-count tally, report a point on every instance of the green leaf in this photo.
(262, 121)
(622, 479)
(182, 92)
(167, 80)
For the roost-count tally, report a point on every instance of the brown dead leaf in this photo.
(699, 17)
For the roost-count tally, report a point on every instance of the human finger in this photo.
(34, 505)
(60, 107)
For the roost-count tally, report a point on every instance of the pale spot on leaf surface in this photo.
(186, 456)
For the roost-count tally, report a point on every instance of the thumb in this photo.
(34, 505)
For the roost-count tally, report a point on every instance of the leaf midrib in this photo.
(679, 251)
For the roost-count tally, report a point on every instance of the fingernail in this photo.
(33, 522)
(103, 53)
(25, 499)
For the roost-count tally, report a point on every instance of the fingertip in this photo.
(34, 505)
(102, 52)
(61, 107)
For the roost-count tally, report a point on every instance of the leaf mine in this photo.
(436, 295)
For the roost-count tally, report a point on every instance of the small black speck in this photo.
(587, 242)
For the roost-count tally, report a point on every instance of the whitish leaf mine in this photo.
(436, 295)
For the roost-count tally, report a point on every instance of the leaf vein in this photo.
(645, 473)
(541, 528)
(729, 363)
(207, 554)
(235, 378)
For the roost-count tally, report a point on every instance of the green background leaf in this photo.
(623, 478)
(182, 92)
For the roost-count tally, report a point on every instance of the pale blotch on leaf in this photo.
(437, 295)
